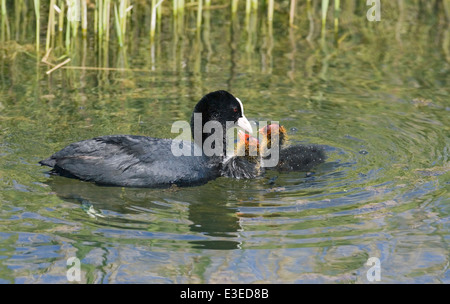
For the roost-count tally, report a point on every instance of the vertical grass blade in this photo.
(118, 27)
(255, 5)
(292, 13)
(153, 20)
(61, 17)
(248, 8)
(84, 19)
(51, 24)
(158, 14)
(100, 19)
(234, 6)
(5, 23)
(68, 28)
(337, 10)
(18, 7)
(106, 18)
(175, 8)
(325, 4)
(37, 12)
(123, 16)
(270, 8)
(199, 14)
(181, 7)
(309, 11)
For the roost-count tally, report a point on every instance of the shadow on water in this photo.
(207, 211)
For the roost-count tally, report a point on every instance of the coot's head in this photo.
(222, 107)
(273, 133)
(248, 146)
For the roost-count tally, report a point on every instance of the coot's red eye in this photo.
(235, 109)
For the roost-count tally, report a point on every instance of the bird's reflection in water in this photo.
(208, 213)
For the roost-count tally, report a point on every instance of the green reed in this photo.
(199, 14)
(155, 5)
(118, 20)
(120, 14)
(51, 25)
(270, 10)
(5, 30)
(325, 4)
(234, 7)
(37, 10)
(292, 12)
(337, 10)
(84, 18)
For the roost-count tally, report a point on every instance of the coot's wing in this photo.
(127, 160)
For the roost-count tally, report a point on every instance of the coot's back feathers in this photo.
(132, 161)
(300, 157)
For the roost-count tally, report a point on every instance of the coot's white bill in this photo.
(245, 124)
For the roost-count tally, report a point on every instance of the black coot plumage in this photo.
(292, 157)
(246, 163)
(139, 161)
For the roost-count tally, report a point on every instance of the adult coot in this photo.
(291, 157)
(139, 161)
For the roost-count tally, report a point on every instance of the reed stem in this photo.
(100, 19)
(84, 20)
(68, 28)
(175, 8)
(106, 18)
(199, 14)
(51, 24)
(292, 13)
(248, 8)
(5, 23)
(270, 8)
(234, 6)
(37, 5)
(181, 7)
(158, 14)
(255, 5)
(153, 20)
(337, 10)
(118, 28)
(61, 17)
(325, 4)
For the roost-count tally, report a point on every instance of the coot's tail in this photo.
(56, 170)
(51, 162)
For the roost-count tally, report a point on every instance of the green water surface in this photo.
(378, 100)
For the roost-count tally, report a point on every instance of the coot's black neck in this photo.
(208, 141)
